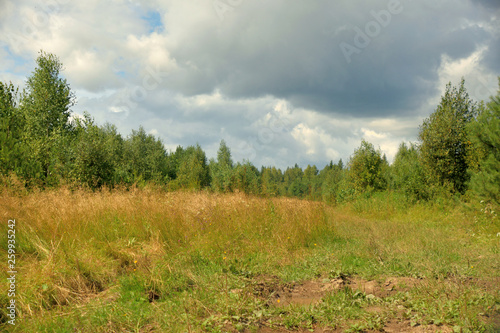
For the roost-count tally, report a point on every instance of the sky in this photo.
(282, 82)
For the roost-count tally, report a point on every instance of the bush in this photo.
(366, 168)
(407, 173)
(486, 135)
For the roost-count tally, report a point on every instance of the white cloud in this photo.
(480, 82)
(115, 109)
(90, 71)
(371, 135)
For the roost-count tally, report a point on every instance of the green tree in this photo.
(246, 178)
(445, 141)
(331, 176)
(221, 171)
(94, 161)
(366, 168)
(486, 135)
(173, 163)
(193, 170)
(271, 181)
(115, 146)
(292, 181)
(340, 164)
(146, 157)
(12, 148)
(46, 104)
(407, 173)
(311, 180)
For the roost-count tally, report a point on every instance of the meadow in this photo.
(147, 260)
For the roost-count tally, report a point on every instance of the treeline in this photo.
(42, 145)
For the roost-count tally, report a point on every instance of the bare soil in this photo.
(305, 293)
(276, 293)
(312, 291)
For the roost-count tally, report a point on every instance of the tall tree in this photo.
(173, 163)
(366, 168)
(445, 140)
(331, 177)
(486, 135)
(221, 170)
(292, 181)
(193, 170)
(115, 147)
(407, 173)
(271, 181)
(12, 148)
(94, 162)
(146, 156)
(311, 181)
(246, 178)
(46, 104)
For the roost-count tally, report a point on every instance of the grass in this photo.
(152, 261)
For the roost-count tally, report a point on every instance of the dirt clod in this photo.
(305, 293)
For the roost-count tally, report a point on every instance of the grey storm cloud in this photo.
(293, 50)
(490, 4)
(492, 56)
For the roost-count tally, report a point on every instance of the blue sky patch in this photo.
(154, 20)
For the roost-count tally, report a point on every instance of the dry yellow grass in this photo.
(73, 244)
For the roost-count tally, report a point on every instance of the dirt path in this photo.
(312, 292)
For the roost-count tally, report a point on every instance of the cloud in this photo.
(271, 78)
(490, 4)
(491, 55)
(255, 52)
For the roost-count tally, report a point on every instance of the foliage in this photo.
(47, 98)
(312, 182)
(246, 178)
(94, 161)
(366, 168)
(145, 157)
(332, 176)
(221, 172)
(445, 141)
(271, 180)
(408, 174)
(292, 182)
(486, 135)
(115, 146)
(174, 162)
(193, 169)
(12, 148)
(46, 104)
